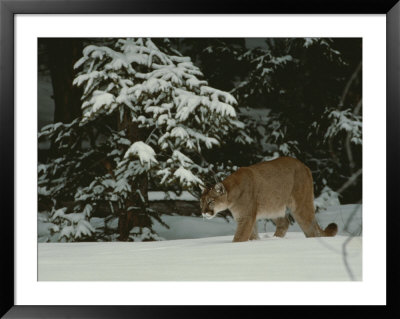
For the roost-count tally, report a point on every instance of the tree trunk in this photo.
(134, 213)
(62, 54)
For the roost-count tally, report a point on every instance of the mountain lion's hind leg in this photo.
(254, 234)
(244, 230)
(282, 225)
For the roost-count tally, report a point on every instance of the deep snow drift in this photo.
(215, 257)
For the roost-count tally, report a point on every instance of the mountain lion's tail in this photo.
(302, 205)
(314, 230)
(331, 230)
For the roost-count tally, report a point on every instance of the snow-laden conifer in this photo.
(146, 118)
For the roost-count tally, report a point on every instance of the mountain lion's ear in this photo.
(220, 188)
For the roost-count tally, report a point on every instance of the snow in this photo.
(186, 177)
(158, 195)
(122, 185)
(100, 100)
(186, 227)
(145, 153)
(179, 132)
(182, 158)
(309, 41)
(208, 141)
(327, 198)
(213, 257)
(83, 228)
(345, 121)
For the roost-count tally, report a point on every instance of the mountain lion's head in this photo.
(213, 200)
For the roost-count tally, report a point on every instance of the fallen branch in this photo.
(348, 141)
(348, 85)
(350, 181)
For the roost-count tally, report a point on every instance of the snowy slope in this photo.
(294, 258)
(214, 258)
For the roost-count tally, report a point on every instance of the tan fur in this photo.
(265, 190)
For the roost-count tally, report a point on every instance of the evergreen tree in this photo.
(311, 102)
(298, 97)
(147, 116)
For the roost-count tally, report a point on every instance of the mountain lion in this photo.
(265, 190)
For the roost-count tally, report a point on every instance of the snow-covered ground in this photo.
(182, 227)
(208, 254)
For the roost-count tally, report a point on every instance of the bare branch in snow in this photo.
(350, 181)
(348, 85)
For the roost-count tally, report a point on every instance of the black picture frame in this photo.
(8, 10)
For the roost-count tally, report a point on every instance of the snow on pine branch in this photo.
(345, 120)
(74, 225)
(144, 152)
(182, 158)
(100, 101)
(167, 77)
(186, 177)
(310, 41)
